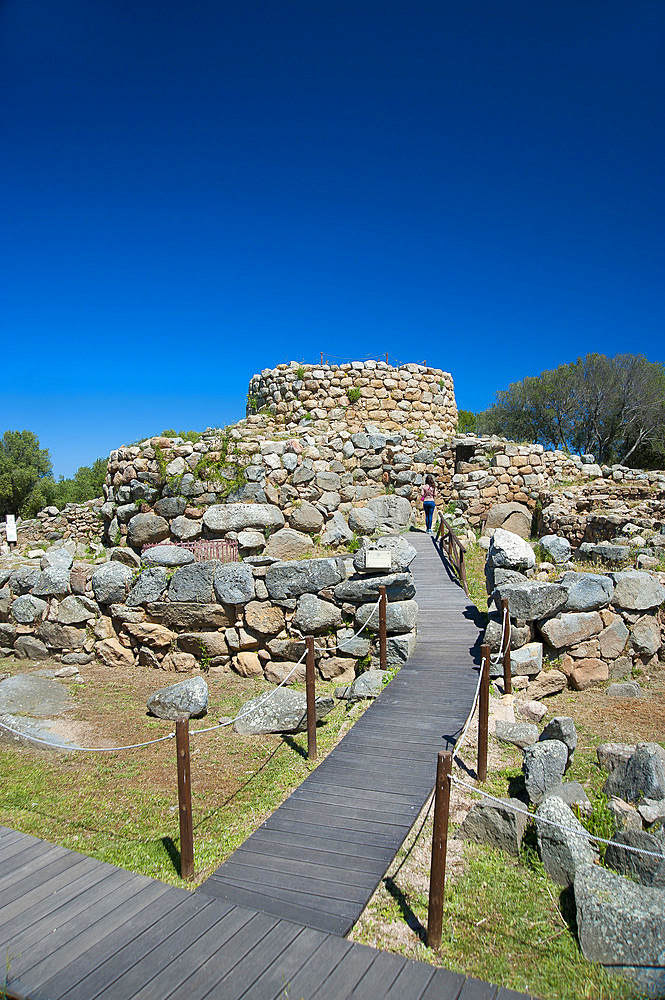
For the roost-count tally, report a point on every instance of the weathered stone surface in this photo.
(393, 513)
(635, 590)
(360, 590)
(167, 555)
(513, 517)
(548, 683)
(557, 548)
(641, 776)
(278, 672)
(234, 583)
(532, 710)
(497, 825)
(626, 817)
(399, 648)
(613, 640)
(401, 616)
(527, 660)
(23, 579)
(240, 640)
(264, 617)
(177, 661)
(622, 925)
(111, 582)
(642, 867)
(146, 529)
(170, 507)
(150, 634)
(189, 697)
(288, 544)
(76, 610)
(221, 518)
(189, 616)
(570, 628)
(368, 685)
(519, 634)
(584, 673)
(402, 553)
(336, 530)
(200, 644)
(28, 694)
(309, 576)
(652, 812)
(247, 663)
(341, 668)
(350, 644)
(314, 616)
(363, 520)
(29, 647)
(112, 653)
(611, 754)
(126, 556)
(284, 712)
(27, 609)
(544, 765)
(193, 583)
(519, 734)
(251, 540)
(627, 689)
(508, 551)
(530, 601)
(306, 518)
(150, 586)
(645, 635)
(185, 529)
(78, 658)
(561, 851)
(587, 591)
(572, 793)
(57, 636)
(562, 728)
(52, 581)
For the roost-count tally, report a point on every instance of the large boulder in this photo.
(645, 868)
(585, 672)
(57, 557)
(350, 644)
(76, 610)
(221, 518)
(336, 530)
(402, 553)
(193, 583)
(637, 591)
(622, 925)
(562, 728)
(27, 609)
(570, 628)
(150, 586)
(513, 517)
(287, 543)
(401, 616)
(562, 851)
(111, 582)
(264, 618)
(189, 616)
(518, 734)
(641, 776)
(587, 591)
(189, 697)
(399, 648)
(508, 551)
(531, 601)
(146, 529)
(399, 587)
(61, 636)
(284, 711)
(112, 653)
(306, 518)
(495, 824)
(544, 765)
(393, 513)
(234, 583)
(519, 634)
(167, 555)
(314, 616)
(307, 576)
(29, 647)
(370, 684)
(52, 581)
(644, 635)
(23, 578)
(546, 684)
(613, 639)
(556, 547)
(363, 520)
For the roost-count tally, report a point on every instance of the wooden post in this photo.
(311, 699)
(322, 359)
(383, 639)
(462, 571)
(437, 877)
(483, 713)
(184, 797)
(386, 357)
(507, 668)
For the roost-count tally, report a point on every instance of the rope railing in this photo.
(453, 548)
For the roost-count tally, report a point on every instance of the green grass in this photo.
(474, 561)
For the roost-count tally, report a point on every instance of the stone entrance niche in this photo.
(464, 454)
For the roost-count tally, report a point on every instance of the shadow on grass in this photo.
(290, 742)
(239, 789)
(409, 916)
(174, 854)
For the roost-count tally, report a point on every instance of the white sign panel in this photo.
(378, 559)
(11, 528)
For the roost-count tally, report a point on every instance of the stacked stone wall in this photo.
(410, 396)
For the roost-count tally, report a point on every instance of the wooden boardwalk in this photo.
(268, 924)
(320, 856)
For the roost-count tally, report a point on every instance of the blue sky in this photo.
(194, 192)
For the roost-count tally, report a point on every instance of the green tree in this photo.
(613, 407)
(25, 474)
(86, 484)
(466, 421)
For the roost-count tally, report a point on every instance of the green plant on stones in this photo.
(223, 471)
(204, 656)
(364, 663)
(354, 543)
(252, 403)
(353, 394)
(599, 822)
(389, 674)
(300, 373)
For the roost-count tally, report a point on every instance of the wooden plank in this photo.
(377, 981)
(43, 899)
(269, 851)
(293, 893)
(241, 979)
(347, 974)
(295, 842)
(315, 970)
(476, 989)
(412, 981)
(287, 909)
(277, 977)
(315, 870)
(295, 881)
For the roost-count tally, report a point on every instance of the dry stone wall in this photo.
(411, 395)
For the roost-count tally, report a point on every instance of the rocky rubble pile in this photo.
(620, 906)
(595, 626)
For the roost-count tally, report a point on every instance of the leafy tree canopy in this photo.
(612, 407)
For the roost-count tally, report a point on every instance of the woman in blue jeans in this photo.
(429, 502)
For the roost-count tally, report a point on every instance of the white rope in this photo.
(473, 709)
(551, 822)
(65, 746)
(498, 657)
(324, 649)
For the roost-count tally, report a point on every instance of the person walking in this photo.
(429, 502)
